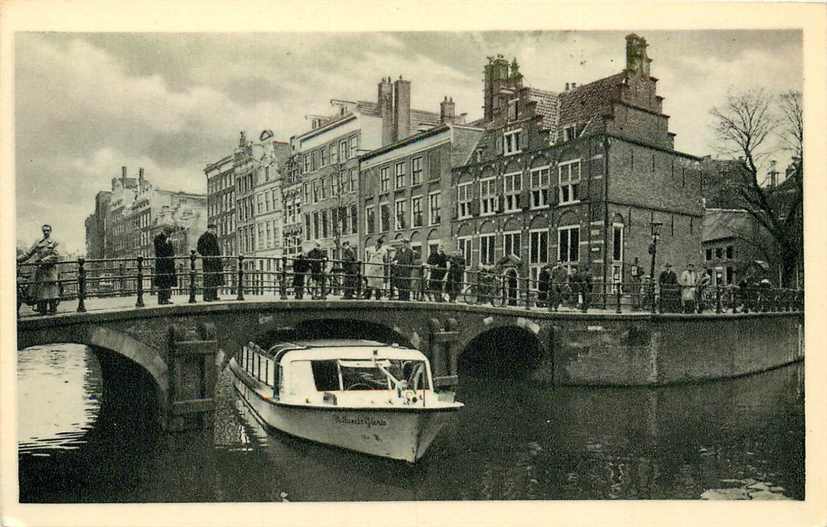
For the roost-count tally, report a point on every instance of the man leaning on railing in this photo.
(44, 284)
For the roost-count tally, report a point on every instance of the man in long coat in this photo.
(559, 279)
(165, 276)
(349, 264)
(669, 290)
(404, 260)
(212, 265)
(438, 265)
(44, 284)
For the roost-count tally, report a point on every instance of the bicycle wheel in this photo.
(470, 295)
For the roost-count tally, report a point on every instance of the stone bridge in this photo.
(173, 353)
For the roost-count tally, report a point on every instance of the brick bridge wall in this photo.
(576, 348)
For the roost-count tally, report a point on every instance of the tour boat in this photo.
(361, 395)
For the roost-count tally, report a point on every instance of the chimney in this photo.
(573, 85)
(637, 61)
(123, 177)
(401, 108)
(385, 101)
(140, 179)
(773, 174)
(447, 111)
(567, 86)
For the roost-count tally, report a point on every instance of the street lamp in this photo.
(653, 250)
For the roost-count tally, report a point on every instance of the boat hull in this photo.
(396, 433)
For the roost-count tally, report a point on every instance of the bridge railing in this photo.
(321, 278)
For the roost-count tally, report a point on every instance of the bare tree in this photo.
(753, 126)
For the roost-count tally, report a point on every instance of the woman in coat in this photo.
(45, 284)
(375, 269)
(165, 276)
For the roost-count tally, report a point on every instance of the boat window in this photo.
(325, 375)
(363, 375)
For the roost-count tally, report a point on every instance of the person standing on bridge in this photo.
(44, 285)
(211, 263)
(375, 269)
(164, 265)
(456, 274)
(349, 266)
(438, 265)
(404, 260)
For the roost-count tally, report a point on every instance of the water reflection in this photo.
(738, 439)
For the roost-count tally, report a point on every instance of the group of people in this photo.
(556, 285)
(684, 293)
(165, 274)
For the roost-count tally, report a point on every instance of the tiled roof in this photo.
(548, 105)
(583, 103)
(726, 223)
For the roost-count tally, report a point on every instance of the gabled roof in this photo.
(584, 102)
(720, 224)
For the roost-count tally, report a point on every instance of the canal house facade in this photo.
(577, 177)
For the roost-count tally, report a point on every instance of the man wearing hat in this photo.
(375, 269)
(212, 265)
(349, 264)
(668, 283)
(318, 262)
(404, 261)
(165, 277)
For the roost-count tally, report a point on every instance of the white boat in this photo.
(361, 395)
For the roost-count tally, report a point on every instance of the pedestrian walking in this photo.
(456, 272)
(583, 279)
(404, 260)
(377, 256)
(704, 279)
(543, 279)
(165, 277)
(44, 286)
(349, 268)
(438, 265)
(212, 265)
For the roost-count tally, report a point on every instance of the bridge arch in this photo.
(346, 327)
(503, 348)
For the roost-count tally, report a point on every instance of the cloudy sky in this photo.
(86, 104)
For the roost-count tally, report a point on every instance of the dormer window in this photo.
(570, 132)
(511, 142)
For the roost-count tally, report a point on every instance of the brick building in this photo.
(271, 162)
(328, 158)
(405, 187)
(95, 225)
(577, 176)
(221, 202)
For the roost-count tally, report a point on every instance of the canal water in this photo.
(735, 439)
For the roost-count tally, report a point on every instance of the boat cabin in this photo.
(339, 371)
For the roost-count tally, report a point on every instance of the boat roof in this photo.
(331, 349)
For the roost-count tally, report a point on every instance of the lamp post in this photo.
(653, 250)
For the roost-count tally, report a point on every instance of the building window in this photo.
(343, 151)
(434, 210)
(335, 184)
(719, 253)
(539, 187)
(384, 179)
(538, 247)
(464, 246)
(512, 187)
(269, 234)
(570, 132)
(384, 217)
(730, 252)
(416, 212)
(323, 187)
(569, 173)
(315, 225)
(354, 219)
(352, 186)
(511, 243)
(513, 109)
(400, 214)
(568, 244)
(511, 142)
(464, 197)
(354, 146)
(334, 158)
(316, 191)
(488, 196)
(487, 256)
(298, 206)
(323, 151)
(617, 242)
(400, 175)
(324, 224)
(370, 220)
(708, 254)
(416, 171)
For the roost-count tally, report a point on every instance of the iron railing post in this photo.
(81, 285)
(240, 295)
(193, 289)
(528, 292)
(323, 293)
(140, 285)
(718, 299)
(359, 279)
